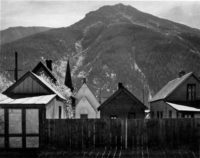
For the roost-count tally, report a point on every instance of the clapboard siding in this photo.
(29, 86)
(180, 94)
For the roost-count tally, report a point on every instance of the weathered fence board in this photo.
(84, 134)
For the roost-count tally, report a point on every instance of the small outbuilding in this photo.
(122, 104)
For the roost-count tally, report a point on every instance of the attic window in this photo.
(113, 117)
(191, 92)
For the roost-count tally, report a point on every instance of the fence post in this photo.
(126, 132)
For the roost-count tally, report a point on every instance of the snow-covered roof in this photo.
(40, 80)
(183, 107)
(2, 96)
(49, 86)
(44, 99)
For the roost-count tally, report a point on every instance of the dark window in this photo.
(170, 114)
(191, 92)
(113, 117)
(161, 114)
(84, 116)
(131, 115)
(158, 114)
(177, 115)
(59, 112)
(152, 114)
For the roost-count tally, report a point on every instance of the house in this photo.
(86, 103)
(122, 104)
(24, 107)
(179, 98)
(41, 69)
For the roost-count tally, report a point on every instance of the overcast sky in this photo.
(63, 13)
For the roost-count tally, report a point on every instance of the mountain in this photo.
(14, 33)
(113, 44)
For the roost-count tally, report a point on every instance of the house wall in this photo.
(84, 107)
(180, 94)
(121, 106)
(29, 86)
(159, 106)
(52, 109)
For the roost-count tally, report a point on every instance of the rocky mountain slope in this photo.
(15, 33)
(113, 44)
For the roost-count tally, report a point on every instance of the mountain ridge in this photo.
(14, 33)
(111, 43)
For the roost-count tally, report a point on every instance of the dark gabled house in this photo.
(40, 69)
(179, 98)
(122, 104)
(24, 107)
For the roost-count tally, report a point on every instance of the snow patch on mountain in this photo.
(79, 57)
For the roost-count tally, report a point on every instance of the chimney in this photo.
(49, 64)
(181, 73)
(84, 80)
(120, 85)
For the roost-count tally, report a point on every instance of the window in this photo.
(170, 114)
(2, 121)
(59, 112)
(177, 115)
(131, 115)
(15, 121)
(152, 114)
(159, 114)
(84, 116)
(191, 92)
(113, 117)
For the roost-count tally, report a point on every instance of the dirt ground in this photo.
(103, 153)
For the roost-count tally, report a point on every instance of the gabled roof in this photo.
(183, 108)
(39, 66)
(170, 87)
(84, 91)
(39, 80)
(118, 92)
(83, 99)
(43, 99)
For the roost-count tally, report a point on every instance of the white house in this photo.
(86, 103)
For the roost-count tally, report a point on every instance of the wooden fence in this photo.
(94, 133)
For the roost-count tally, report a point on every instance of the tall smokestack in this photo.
(16, 66)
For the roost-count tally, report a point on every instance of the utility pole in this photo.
(16, 70)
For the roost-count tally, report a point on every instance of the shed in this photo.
(122, 104)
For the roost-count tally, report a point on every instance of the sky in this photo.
(63, 13)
